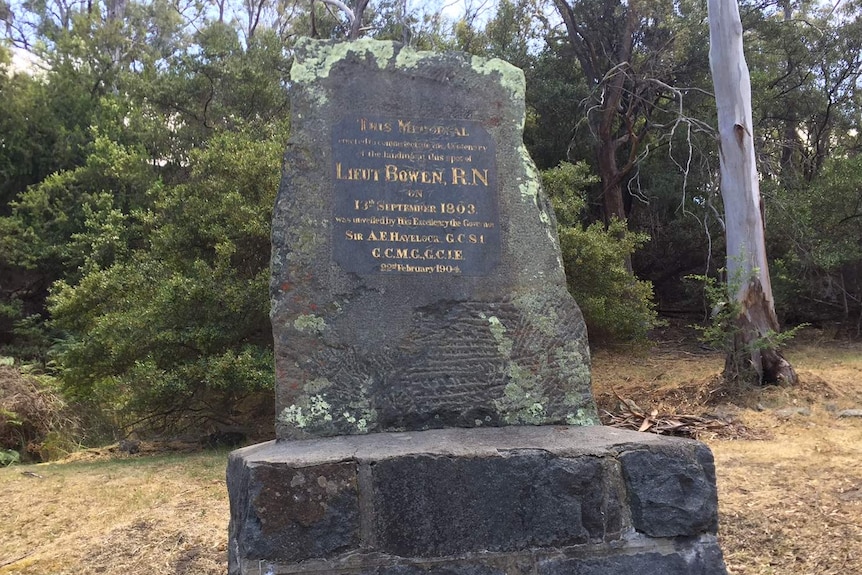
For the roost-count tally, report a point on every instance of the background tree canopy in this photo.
(140, 154)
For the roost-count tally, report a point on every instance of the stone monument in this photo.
(433, 405)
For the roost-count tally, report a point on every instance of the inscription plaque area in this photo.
(414, 196)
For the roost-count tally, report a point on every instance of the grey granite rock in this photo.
(416, 273)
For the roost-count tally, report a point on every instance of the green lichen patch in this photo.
(321, 56)
(582, 417)
(316, 411)
(359, 422)
(317, 385)
(530, 185)
(309, 323)
(408, 58)
(511, 77)
(530, 188)
(359, 415)
(498, 330)
(537, 311)
(572, 364)
(306, 240)
(522, 401)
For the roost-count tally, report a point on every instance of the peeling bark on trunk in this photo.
(747, 268)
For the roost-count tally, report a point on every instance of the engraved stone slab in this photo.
(416, 272)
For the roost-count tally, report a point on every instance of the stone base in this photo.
(492, 501)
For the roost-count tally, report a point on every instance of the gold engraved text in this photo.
(356, 174)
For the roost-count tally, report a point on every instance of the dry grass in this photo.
(793, 505)
(135, 516)
(790, 502)
(789, 473)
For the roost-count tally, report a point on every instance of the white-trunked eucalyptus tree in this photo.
(753, 355)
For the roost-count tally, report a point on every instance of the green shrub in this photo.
(9, 457)
(813, 241)
(616, 305)
(173, 332)
(724, 333)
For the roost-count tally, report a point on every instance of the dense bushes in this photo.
(815, 236)
(616, 305)
(139, 268)
(175, 331)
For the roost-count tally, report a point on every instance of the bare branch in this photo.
(351, 18)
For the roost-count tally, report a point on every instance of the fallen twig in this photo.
(632, 416)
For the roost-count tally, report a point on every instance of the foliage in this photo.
(35, 422)
(9, 457)
(815, 231)
(27, 130)
(47, 217)
(177, 329)
(616, 306)
(635, 56)
(44, 239)
(723, 331)
(153, 237)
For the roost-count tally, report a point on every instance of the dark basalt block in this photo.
(672, 490)
(510, 500)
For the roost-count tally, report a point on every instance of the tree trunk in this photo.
(356, 24)
(605, 118)
(747, 268)
(612, 193)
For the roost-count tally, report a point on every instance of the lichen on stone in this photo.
(498, 330)
(574, 367)
(360, 415)
(540, 315)
(292, 415)
(323, 55)
(306, 239)
(360, 424)
(309, 323)
(529, 186)
(581, 418)
(309, 409)
(317, 411)
(317, 385)
(409, 58)
(522, 401)
(511, 77)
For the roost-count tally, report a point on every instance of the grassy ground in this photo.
(789, 477)
(789, 469)
(135, 516)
